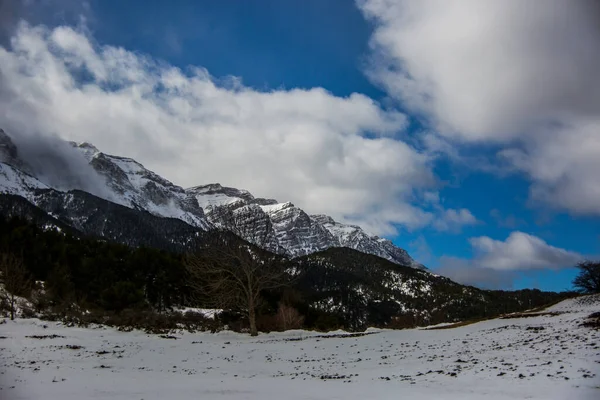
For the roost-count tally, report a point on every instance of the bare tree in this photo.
(588, 280)
(288, 317)
(230, 273)
(15, 279)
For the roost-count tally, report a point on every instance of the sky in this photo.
(467, 132)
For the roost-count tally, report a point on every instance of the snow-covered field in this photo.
(546, 356)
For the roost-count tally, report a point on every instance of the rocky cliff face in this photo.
(354, 237)
(132, 185)
(279, 227)
(297, 233)
(9, 153)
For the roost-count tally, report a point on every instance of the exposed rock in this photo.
(279, 227)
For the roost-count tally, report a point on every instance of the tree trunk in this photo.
(12, 307)
(252, 317)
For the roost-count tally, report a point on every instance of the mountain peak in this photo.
(273, 208)
(211, 187)
(323, 219)
(289, 228)
(9, 153)
(88, 146)
(8, 150)
(88, 150)
(216, 193)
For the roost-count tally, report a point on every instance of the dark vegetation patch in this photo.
(44, 337)
(73, 347)
(589, 300)
(169, 337)
(456, 325)
(328, 377)
(592, 321)
(148, 321)
(319, 337)
(90, 281)
(345, 335)
(334, 277)
(531, 315)
(535, 328)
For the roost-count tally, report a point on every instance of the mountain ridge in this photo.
(279, 227)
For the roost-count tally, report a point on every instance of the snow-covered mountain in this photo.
(294, 230)
(15, 181)
(132, 185)
(280, 227)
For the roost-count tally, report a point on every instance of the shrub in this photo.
(267, 323)
(194, 321)
(327, 322)
(127, 320)
(40, 300)
(288, 318)
(28, 312)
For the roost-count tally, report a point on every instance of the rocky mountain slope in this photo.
(364, 290)
(279, 227)
(82, 214)
(259, 220)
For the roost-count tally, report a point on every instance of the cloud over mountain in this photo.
(307, 145)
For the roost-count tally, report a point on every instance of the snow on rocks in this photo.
(206, 312)
(130, 184)
(14, 181)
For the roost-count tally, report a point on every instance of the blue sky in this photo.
(492, 161)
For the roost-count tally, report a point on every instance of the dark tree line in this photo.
(360, 288)
(337, 288)
(95, 273)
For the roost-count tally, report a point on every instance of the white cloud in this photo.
(496, 264)
(461, 270)
(453, 220)
(520, 251)
(447, 219)
(307, 146)
(563, 166)
(512, 74)
(57, 164)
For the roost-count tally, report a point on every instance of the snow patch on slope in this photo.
(13, 181)
(134, 186)
(274, 208)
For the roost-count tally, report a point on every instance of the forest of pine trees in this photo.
(108, 278)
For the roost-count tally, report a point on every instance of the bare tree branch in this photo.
(229, 273)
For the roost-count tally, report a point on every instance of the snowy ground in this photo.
(542, 357)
